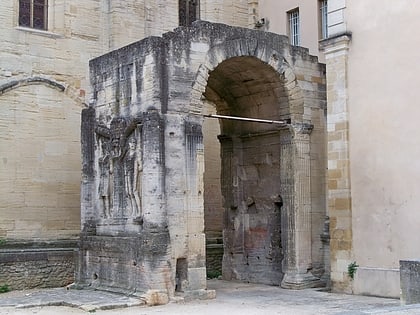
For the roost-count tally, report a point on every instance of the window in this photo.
(189, 11)
(294, 27)
(323, 8)
(33, 13)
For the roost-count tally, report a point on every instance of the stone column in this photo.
(339, 189)
(296, 216)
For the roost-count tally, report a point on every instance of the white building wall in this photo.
(384, 148)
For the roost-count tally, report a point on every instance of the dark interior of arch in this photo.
(247, 87)
(250, 170)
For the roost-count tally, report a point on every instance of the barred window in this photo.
(189, 11)
(33, 13)
(323, 7)
(294, 27)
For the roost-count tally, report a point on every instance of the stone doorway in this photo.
(250, 168)
(145, 231)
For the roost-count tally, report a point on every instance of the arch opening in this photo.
(249, 210)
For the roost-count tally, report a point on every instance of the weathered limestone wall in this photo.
(129, 21)
(42, 88)
(24, 266)
(76, 34)
(213, 206)
(40, 154)
(44, 78)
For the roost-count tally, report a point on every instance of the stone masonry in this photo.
(143, 162)
(339, 190)
(43, 88)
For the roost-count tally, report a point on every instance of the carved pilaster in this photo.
(296, 192)
(339, 184)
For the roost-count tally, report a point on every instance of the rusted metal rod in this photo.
(264, 121)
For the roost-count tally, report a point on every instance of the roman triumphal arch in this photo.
(143, 162)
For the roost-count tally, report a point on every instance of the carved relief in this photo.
(133, 169)
(120, 168)
(106, 171)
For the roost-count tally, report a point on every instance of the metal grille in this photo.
(324, 18)
(294, 27)
(33, 13)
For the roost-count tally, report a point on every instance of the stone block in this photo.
(156, 297)
(342, 203)
(377, 282)
(410, 281)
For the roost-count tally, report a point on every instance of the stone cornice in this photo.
(335, 43)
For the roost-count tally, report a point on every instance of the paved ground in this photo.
(232, 298)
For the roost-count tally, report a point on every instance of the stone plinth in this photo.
(410, 281)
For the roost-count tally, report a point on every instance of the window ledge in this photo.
(38, 32)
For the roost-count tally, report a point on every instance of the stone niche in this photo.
(143, 162)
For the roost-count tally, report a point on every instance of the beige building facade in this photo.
(373, 173)
(310, 17)
(372, 68)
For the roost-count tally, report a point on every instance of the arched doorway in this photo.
(250, 167)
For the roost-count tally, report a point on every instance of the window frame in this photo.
(293, 19)
(188, 12)
(31, 13)
(323, 19)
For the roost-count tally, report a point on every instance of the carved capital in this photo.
(302, 128)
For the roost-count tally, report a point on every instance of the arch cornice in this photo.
(71, 92)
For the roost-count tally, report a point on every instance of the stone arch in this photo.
(294, 145)
(72, 92)
(266, 55)
(13, 84)
(174, 75)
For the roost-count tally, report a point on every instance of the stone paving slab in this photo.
(83, 299)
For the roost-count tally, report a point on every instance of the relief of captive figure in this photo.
(105, 181)
(132, 172)
(128, 164)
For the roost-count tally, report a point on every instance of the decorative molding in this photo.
(5, 87)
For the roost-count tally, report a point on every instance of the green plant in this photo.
(2, 241)
(213, 274)
(4, 288)
(351, 269)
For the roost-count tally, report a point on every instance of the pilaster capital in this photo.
(335, 44)
(302, 128)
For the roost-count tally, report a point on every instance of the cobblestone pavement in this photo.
(232, 298)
